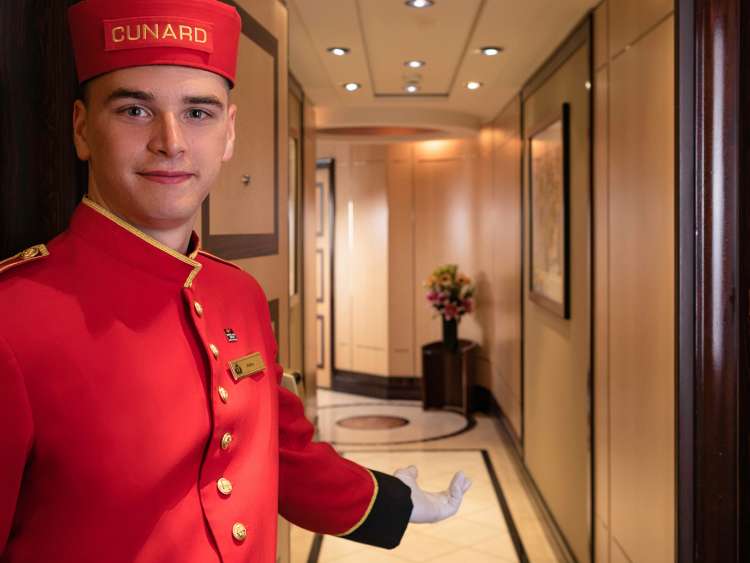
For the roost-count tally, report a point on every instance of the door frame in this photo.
(712, 297)
(329, 164)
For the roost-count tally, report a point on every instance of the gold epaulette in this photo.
(201, 251)
(29, 255)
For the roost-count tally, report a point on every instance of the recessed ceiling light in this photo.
(415, 64)
(352, 86)
(419, 3)
(411, 88)
(491, 51)
(473, 85)
(338, 51)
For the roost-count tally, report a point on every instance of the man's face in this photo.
(155, 138)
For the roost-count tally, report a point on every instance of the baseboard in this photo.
(377, 386)
(556, 538)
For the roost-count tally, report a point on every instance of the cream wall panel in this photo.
(601, 306)
(342, 275)
(642, 343)
(401, 260)
(253, 155)
(445, 208)
(485, 235)
(631, 19)
(369, 263)
(506, 284)
(556, 351)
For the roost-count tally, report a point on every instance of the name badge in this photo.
(246, 366)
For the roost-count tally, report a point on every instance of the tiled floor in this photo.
(470, 537)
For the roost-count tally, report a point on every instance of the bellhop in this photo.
(139, 387)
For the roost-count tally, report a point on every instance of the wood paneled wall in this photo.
(634, 194)
(42, 180)
(556, 350)
(501, 222)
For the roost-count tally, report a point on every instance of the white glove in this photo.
(433, 507)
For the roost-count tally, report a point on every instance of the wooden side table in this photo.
(447, 376)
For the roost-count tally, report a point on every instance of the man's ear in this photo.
(80, 116)
(229, 147)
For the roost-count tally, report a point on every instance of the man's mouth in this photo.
(166, 176)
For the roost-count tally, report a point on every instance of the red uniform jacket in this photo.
(125, 434)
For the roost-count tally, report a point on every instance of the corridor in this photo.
(499, 237)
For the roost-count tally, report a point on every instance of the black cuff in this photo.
(387, 521)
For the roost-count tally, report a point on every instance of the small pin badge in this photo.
(230, 334)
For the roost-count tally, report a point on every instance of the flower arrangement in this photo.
(450, 292)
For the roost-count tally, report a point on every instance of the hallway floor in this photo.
(478, 533)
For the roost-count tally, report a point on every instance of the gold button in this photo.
(30, 253)
(223, 393)
(225, 486)
(198, 308)
(214, 350)
(239, 532)
(226, 439)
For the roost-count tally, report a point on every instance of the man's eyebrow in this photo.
(203, 101)
(122, 93)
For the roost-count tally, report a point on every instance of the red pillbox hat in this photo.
(113, 34)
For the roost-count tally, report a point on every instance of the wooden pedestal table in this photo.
(447, 376)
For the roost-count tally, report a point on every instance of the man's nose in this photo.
(168, 139)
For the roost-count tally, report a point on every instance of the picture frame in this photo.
(549, 213)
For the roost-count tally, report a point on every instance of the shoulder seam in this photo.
(227, 262)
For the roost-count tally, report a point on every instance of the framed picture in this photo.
(549, 179)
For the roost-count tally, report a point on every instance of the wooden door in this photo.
(324, 189)
(296, 300)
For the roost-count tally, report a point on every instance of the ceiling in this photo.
(383, 34)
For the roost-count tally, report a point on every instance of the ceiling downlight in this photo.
(419, 3)
(338, 51)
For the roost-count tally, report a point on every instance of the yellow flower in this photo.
(446, 280)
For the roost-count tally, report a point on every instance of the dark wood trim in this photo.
(42, 180)
(685, 277)
(320, 212)
(321, 350)
(378, 386)
(234, 247)
(580, 35)
(744, 293)
(717, 375)
(522, 264)
(320, 280)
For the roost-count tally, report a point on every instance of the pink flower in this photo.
(432, 296)
(450, 311)
(468, 305)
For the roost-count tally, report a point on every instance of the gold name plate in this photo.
(246, 366)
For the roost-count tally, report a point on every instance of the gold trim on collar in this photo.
(146, 238)
(369, 508)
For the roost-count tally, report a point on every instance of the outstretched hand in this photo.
(433, 507)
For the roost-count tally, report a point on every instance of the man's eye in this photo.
(135, 111)
(198, 114)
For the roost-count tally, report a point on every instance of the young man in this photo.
(139, 396)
